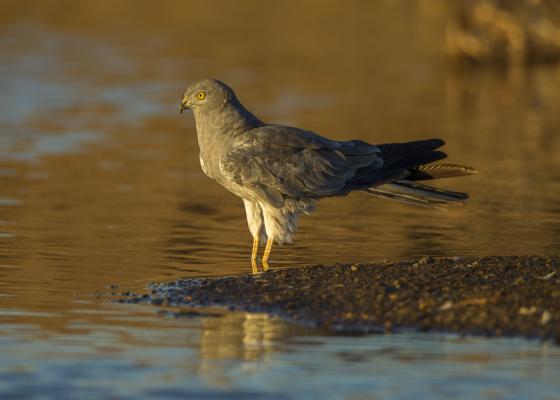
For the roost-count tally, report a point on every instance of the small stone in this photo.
(446, 306)
(474, 264)
(353, 268)
(527, 310)
(548, 276)
(545, 318)
(425, 260)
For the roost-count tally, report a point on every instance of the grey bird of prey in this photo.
(280, 172)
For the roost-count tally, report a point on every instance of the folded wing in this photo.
(278, 162)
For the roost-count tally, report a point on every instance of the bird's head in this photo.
(206, 94)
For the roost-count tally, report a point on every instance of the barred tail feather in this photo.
(438, 171)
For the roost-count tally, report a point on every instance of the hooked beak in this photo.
(184, 105)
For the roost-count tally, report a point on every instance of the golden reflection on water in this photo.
(249, 338)
(99, 176)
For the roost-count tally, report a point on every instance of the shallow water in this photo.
(100, 185)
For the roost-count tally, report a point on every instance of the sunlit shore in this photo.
(491, 296)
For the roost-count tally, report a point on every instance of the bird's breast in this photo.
(202, 165)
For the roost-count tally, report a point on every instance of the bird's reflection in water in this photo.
(234, 337)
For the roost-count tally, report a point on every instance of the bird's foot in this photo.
(265, 265)
(266, 254)
(254, 266)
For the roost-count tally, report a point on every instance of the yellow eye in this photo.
(200, 95)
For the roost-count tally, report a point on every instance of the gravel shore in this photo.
(492, 296)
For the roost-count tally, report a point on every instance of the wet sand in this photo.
(491, 296)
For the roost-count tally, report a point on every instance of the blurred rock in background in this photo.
(506, 32)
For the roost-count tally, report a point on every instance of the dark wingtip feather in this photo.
(438, 142)
(411, 154)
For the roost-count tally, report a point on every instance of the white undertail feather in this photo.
(255, 220)
(279, 224)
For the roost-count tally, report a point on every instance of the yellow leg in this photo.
(254, 254)
(266, 254)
